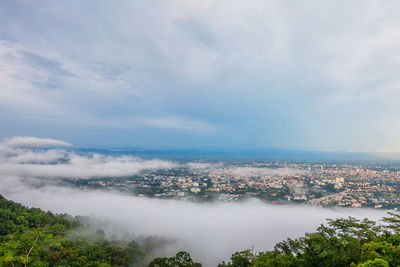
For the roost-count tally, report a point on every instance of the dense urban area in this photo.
(344, 184)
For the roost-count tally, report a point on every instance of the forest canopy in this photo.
(31, 237)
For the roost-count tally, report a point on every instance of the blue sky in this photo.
(317, 75)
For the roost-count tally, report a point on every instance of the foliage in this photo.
(31, 237)
(342, 242)
(181, 259)
(242, 258)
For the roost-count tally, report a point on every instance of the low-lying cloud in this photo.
(22, 156)
(48, 158)
(29, 141)
(259, 171)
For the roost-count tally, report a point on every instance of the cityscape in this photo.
(342, 184)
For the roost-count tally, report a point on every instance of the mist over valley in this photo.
(211, 231)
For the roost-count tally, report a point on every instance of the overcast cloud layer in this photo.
(307, 74)
(210, 232)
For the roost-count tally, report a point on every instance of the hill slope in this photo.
(31, 237)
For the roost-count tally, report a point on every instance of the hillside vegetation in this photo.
(31, 237)
(342, 242)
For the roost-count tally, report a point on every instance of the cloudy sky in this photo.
(320, 75)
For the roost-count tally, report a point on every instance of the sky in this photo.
(312, 75)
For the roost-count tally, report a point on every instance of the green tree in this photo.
(181, 259)
(374, 263)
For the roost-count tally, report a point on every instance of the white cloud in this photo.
(78, 166)
(18, 158)
(202, 165)
(32, 142)
(260, 171)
